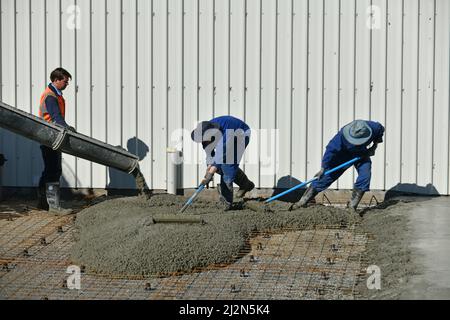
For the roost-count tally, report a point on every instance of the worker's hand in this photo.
(209, 175)
(319, 174)
(71, 129)
(371, 150)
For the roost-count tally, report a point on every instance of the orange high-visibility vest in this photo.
(43, 113)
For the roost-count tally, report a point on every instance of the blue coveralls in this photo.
(229, 151)
(339, 151)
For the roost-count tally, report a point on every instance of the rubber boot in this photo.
(53, 198)
(42, 203)
(356, 198)
(309, 194)
(244, 183)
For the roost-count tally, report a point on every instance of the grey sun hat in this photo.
(357, 132)
(198, 133)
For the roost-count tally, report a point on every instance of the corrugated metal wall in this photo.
(144, 68)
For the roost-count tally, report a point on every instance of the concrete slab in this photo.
(430, 247)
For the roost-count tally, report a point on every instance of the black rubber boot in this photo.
(42, 203)
(309, 194)
(244, 183)
(356, 198)
(53, 194)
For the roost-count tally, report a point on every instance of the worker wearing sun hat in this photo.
(350, 142)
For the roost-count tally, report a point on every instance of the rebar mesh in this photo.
(320, 263)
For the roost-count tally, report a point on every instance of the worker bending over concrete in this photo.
(351, 141)
(224, 140)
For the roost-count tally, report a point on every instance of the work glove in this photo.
(371, 150)
(320, 174)
(71, 129)
(207, 179)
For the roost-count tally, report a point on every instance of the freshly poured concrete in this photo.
(120, 236)
(409, 239)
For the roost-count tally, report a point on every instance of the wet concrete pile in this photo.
(120, 236)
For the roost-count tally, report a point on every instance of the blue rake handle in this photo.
(311, 180)
(191, 199)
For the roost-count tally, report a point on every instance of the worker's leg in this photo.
(326, 180)
(48, 175)
(317, 186)
(364, 169)
(244, 183)
(226, 193)
(362, 184)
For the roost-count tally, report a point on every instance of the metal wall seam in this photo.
(378, 84)
(14, 137)
(417, 93)
(268, 90)
(160, 46)
(91, 118)
(315, 104)
(291, 93)
(84, 86)
(425, 93)
(307, 88)
(441, 96)
(283, 93)
(22, 89)
(9, 87)
(336, 184)
(244, 102)
(347, 81)
(393, 92)
(106, 85)
(409, 90)
(433, 92)
(1, 64)
(330, 73)
(259, 91)
(252, 86)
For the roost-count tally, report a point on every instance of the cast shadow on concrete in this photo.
(404, 192)
(285, 183)
(412, 190)
(122, 183)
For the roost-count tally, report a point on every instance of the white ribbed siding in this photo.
(145, 68)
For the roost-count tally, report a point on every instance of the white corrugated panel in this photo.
(9, 80)
(64, 53)
(299, 70)
(331, 73)
(191, 89)
(393, 93)
(378, 83)
(300, 93)
(253, 85)
(441, 98)
(39, 77)
(409, 91)
(23, 70)
(347, 75)
(99, 90)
